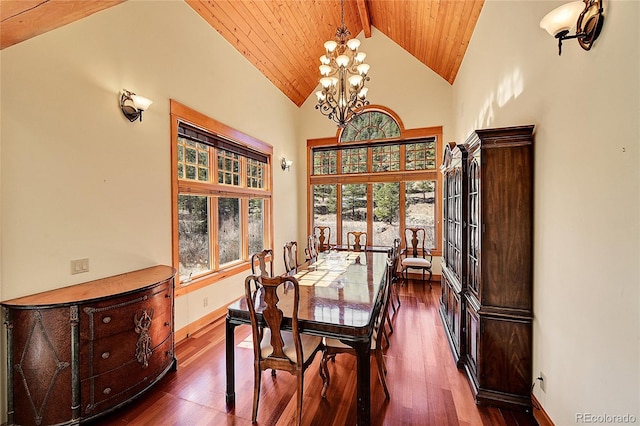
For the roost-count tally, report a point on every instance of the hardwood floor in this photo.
(425, 385)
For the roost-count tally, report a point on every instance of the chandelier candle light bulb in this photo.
(343, 74)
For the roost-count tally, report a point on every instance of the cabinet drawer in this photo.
(113, 316)
(116, 386)
(111, 352)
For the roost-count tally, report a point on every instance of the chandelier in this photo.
(342, 77)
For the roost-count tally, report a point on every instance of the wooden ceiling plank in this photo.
(468, 32)
(218, 18)
(451, 20)
(422, 43)
(432, 34)
(276, 46)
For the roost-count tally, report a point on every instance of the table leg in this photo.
(231, 373)
(363, 369)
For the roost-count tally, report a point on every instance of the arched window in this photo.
(378, 177)
(370, 125)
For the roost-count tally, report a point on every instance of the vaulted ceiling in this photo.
(284, 38)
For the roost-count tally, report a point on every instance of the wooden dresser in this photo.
(78, 352)
(487, 296)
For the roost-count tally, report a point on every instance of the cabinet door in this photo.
(473, 259)
(455, 313)
(505, 365)
(444, 297)
(473, 338)
(40, 364)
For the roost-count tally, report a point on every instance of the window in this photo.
(222, 198)
(387, 180)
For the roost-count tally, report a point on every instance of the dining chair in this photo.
(291, 256)
(311, 251)
(395, 258)
(273, 347)
(353, 241)
(416, 255)
(335, 347)
(261, 258)
(323, 234)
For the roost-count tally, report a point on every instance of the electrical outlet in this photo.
(543, 381)
(79, 266)
(205, 302)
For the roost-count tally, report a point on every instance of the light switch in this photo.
(79, 266)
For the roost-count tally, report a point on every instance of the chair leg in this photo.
(381, 373)
(256, 393)
(300, 393)
(430, 280)
(326, 377)
(388, 321)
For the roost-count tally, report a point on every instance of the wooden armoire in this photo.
(487, 263)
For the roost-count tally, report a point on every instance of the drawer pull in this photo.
(105, 355)
(106, 320)
(166, 324)
(106, 391)
(167, 296)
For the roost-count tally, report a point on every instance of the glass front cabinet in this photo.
(487, 272)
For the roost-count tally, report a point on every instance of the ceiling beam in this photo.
(363, 10)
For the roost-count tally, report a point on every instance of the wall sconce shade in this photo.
(585, 15)
(286, 164)
(133, 105)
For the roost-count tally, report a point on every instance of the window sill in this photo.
(212, 278)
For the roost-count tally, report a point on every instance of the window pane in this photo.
(228, 168)
(420, 207)
(256, 225)
(354, 160)
(229, 229)
(386, 213)
(324, 162)
(354, 209)
(193, 235)
(386, 158)
(255, 173)
(421, 156)
(325, 209)
(194, 158)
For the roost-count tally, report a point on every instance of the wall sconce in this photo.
(132, 105)
(286, 164)
(587, 17)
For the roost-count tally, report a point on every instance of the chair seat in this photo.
(418, 262)
(309, 344)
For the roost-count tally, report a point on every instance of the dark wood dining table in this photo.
(339, 298)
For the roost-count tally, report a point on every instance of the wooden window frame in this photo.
(182, 114)
(402, 175)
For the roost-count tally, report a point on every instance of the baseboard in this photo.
(540, 415)
(213, 316)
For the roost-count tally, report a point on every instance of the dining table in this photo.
(340, 298)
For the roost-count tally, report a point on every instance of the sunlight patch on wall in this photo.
(509, 88)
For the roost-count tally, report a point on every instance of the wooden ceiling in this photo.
(284, 38)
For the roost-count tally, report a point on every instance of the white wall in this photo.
(586, 109)
(79, 180)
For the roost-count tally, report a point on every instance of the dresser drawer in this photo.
(111, 352)
(113, 316)
(116, 386)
